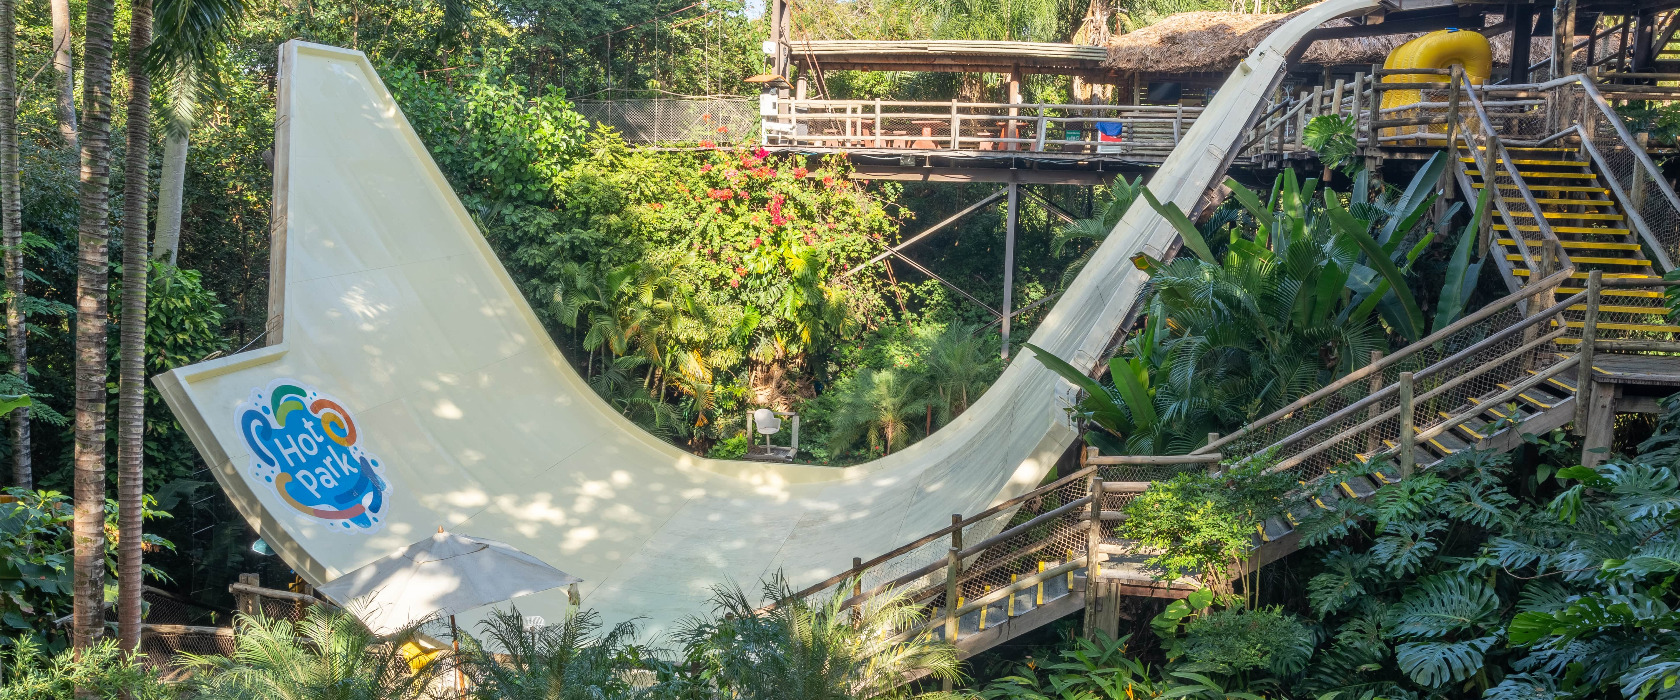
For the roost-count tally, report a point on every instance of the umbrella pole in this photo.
(455, 644)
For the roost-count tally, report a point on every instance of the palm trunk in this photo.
(131, 398)
(64, 73)
(88, 588)
(11, 233)
(167, 240)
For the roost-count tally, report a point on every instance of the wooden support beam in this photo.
(1563, 38)
(1601, 423)
(865, 171)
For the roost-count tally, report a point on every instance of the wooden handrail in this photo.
(1365, 372)
(944, 532)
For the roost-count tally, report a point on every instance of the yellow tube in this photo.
(1438, 49)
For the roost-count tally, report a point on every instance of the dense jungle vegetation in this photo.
(691, 285)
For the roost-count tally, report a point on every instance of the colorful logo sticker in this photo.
(304, 445)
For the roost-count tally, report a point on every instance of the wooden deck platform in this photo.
(1621, 368)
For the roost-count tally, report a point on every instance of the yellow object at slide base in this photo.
(1438, 49)
(417, 656)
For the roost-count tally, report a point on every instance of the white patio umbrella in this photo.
(441, 575)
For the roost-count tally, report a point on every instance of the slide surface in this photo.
(407, 385)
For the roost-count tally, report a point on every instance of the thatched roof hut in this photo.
(1214, 42)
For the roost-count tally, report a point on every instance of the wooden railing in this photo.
(977, 127)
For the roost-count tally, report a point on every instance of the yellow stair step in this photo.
(1623, 309)
(1551, 188)
(1570, 215)
(1636, 262)
(1550, 163)
(1523, 272)
(1546, 149)
(1631, 293)
(1641, 327)
(1575, 245)
(1553, 200)
(1569, 229)
(1543, 175)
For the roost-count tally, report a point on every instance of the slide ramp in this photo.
(408, 386)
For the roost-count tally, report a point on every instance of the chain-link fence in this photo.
(1646, 194)
(676, 120)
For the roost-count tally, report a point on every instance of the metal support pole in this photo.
(1408, 460)
(1008, 305)
(1584, 371)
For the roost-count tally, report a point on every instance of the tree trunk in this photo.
(11, 234)
(131, 397)
(88, 588)
(64, 73)
(167, 240)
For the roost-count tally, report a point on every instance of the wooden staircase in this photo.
(1511, 368)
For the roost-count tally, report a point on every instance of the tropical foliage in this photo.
(1305, 287)
(327, 655)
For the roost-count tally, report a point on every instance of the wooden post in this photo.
(1408, 460)
(1457, 81)
(1563, 38)
(1589, 333)
(1359, 120)
(956, 125)
(1301, 120)
(1522, 40)
(953, 566)
(1093, 563)
(1636, 188)
(1601, 423)
(1007, 304)
(1213, 467)
(1371, 440)
(878, 142)
(245, 602)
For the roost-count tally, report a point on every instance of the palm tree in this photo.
(64, 75)
(820, 650)
(186, 57)
(551, 662)
(92, 286)
(959, 368)
(131, 396)
(1118, 199)
(618, 386)
(879, 405)
(11, 233)
(328, 655)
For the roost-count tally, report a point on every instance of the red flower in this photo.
(656, 205)
(760, 152)
(734, 283)
(800, 172)
(707, 144)
(828, 180)
(706, 168)
(741, 271)
(722, 195)
(757, 242)
(723, 130)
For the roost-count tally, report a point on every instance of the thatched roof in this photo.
(1214, 42)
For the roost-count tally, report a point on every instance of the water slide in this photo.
(407, 385)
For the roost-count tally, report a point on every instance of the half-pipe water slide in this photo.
(407, 384)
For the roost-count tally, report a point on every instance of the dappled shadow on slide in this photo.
(408, 386)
